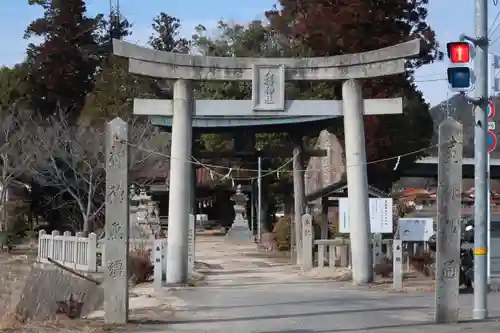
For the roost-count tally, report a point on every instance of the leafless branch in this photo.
(17, 152)
(74, 157)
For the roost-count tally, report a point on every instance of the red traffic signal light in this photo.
(459, 52)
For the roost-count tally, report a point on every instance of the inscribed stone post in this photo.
(449, 203)
(159, 259)
(307, 242)
(397, 264)
(117, 224)
(298, 202)
(191, 243)
(377, 249)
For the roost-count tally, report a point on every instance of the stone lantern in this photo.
(144, 220)
(239, 231)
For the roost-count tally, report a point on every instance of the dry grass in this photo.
(10, 324)
(15, 269)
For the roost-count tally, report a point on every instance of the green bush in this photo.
(18, 222)
(281, 233)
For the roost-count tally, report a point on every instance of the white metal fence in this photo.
(80, 252)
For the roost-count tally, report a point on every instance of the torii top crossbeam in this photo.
(160, 64)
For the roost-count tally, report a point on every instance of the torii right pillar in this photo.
(357, 181)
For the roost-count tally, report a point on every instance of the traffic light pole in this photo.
(461, 79)
(480, 310)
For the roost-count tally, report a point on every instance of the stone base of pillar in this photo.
(240, 233)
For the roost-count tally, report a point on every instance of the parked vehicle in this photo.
(466, 274)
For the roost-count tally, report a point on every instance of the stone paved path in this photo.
(249, 293)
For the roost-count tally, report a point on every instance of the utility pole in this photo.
(461, 79)
(480, 310)
(259, 199)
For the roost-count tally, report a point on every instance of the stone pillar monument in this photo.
(239, 231)
(117, 224)
(449, 205)
(298, 204)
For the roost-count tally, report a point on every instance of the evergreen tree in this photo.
(115, 27)
(166, 36)
(326, 28)
(62, 67)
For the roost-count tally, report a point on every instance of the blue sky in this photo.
(449, 18)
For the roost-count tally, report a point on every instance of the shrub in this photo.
(281, 233)
(141, 268)
(423, 263)
(18, 222)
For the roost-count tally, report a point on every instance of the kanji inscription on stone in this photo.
(307, 245)
(268, 88)
(116, 231)
(158, 265)
(116, 153)
(117, 224)
(450, 272)
(397, 264)
(115, 192)
(116, 268)
(449, 205)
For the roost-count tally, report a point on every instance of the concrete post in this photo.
(488, 223)
(252, 207)
(191, 243)
(480, 310)
(449, 204)
(298, 203)
(359, 215)
(377, 249)
(192, 212)
(117, 224)
(307, 242)
(180, 184)
(259, 201)
(324, 222)
(192, 190)
(158, 265)
(397, 265)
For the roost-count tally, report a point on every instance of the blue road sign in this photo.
(492, 141)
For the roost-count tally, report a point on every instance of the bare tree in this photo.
(75, 163)
(18, 153)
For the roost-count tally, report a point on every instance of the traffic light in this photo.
(459, 52)
(461, 77)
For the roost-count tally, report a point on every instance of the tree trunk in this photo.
(86, 225)
(4, 226)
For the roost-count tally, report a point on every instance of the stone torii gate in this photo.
(268, 76)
